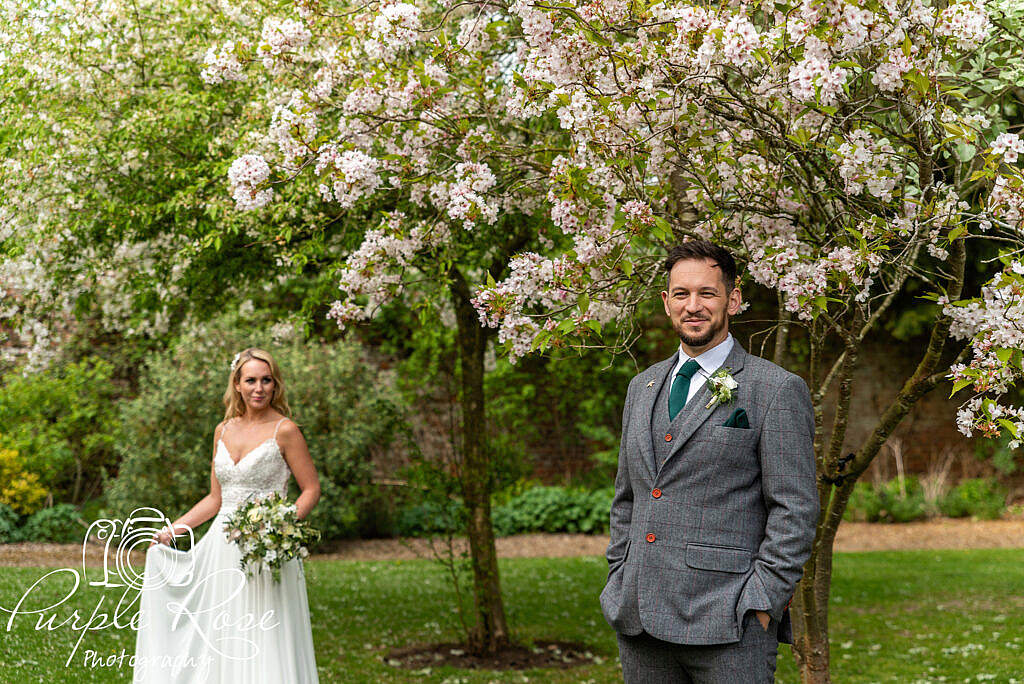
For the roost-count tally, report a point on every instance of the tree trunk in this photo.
(490, 632)
(836, 480)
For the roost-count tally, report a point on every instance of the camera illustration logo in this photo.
(121, 537)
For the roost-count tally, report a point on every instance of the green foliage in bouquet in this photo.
(269, 534)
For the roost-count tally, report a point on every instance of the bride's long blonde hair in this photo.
(233, 403)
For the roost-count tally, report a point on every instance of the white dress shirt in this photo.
(710, 360)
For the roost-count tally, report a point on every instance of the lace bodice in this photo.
(262, 470)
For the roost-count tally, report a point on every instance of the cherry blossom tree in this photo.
(114, 221)
(534, 159)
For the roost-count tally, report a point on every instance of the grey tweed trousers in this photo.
(751, 660)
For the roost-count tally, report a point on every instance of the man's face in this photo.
(697, 303)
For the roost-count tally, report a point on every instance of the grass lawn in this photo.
(908, 616)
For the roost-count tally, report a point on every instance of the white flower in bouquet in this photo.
(278, 538)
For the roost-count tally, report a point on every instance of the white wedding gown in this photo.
(202, 620)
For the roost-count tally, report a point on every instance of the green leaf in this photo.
(1009, 426)
(583, 302)
(965, 152)
(921, 83)
(662, 229)
(960, 384)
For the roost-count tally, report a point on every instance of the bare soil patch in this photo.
(940, 533)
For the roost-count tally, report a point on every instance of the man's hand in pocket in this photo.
(763, 618)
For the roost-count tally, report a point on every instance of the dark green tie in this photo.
(680, 388)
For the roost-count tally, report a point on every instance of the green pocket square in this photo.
(738, 419)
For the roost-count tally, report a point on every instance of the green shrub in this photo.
(904, 504)
(61, 523)
(533, 508)
(864, 505)
(554, 509)
(979, 497)
(19, 486)
(66, 418)
(343, 408)
(886, 503)
(426, 518)
(9, 524)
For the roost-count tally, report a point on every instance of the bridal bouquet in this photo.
(269, 534)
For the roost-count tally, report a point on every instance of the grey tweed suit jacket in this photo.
(726, 523)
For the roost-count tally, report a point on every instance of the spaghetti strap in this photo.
(277, 426)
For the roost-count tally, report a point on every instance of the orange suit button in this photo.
(656, 493)
(650, 537)
(668, 438)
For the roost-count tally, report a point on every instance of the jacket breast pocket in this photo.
(737, 437)
(720, 558)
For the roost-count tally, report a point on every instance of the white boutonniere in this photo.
(722, 385)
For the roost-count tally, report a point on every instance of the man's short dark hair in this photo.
(700, 250)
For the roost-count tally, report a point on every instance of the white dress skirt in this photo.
(201, 619)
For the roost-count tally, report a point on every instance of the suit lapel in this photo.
(645, 408)
(694, 413)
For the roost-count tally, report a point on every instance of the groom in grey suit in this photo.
(715, 508)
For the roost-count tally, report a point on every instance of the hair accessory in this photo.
(234, 361)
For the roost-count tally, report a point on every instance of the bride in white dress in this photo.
(200, 618)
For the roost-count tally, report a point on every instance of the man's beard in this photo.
(700, 340)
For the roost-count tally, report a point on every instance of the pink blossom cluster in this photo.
(246, 175)
(1009, 145)
(866, 162)
(396, 25)
(1006, 200)
(542, 283)
(465, 199)
(350, 175)
(679, 113)
(739, 40)
(376, 269)
(889, 74)
(967, 23)
(638, 212)
(994, 323)
(221, 63)
(281, 36)
(813, 71)
(294, 127)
